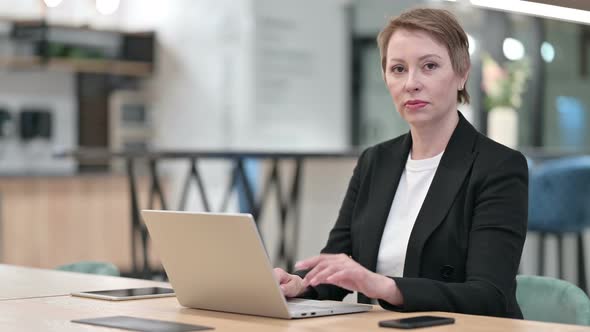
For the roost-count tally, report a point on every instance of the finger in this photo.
(325, 260)
(278, 271)
(281, 275)
(313, 272)
(311, 263)
(285, 289)
(308, 263)
(322, 277)
(291, 288)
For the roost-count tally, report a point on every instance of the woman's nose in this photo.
(413, 82)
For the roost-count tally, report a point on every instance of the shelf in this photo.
(111, 67)
(57, 47)
(25, 62)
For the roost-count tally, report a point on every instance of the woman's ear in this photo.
(463, 80)
(464, 77)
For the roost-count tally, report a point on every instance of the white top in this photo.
(411, 191)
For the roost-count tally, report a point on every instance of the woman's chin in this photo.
(417, 116)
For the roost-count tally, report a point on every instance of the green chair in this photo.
(91, 267)
(552, 300)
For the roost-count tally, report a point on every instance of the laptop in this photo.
(218, 262)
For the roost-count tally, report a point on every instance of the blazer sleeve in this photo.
(339, 240)
(495, 245)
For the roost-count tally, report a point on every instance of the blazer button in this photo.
(447, 271)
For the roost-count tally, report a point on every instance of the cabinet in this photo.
(49, 221)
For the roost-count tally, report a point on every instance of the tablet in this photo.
(128, 293)
(141, 324)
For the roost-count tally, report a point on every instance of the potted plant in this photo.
(503, 87)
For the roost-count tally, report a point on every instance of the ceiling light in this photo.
(52, 3)
(513, 49)
(536, 9)
(107, 7)
(547, 52)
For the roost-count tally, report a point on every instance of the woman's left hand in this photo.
(343, 271)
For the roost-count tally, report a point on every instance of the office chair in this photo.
(90, 267)
(559, 203)
(553, 300)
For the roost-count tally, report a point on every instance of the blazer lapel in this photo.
(389, 166)
(454, 166)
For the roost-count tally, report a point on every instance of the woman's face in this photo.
(420, 78)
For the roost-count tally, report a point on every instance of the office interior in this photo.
(258, 106)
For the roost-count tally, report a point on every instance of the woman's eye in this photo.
(397, 69)
(431, 66)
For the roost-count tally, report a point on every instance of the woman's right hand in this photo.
(291, 284)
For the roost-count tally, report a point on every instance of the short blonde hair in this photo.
(440, 25)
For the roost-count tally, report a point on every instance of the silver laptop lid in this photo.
(216, 262)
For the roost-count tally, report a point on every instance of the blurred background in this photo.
(260, 106)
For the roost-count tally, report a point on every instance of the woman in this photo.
(434, 219)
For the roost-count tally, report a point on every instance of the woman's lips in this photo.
(415, 105)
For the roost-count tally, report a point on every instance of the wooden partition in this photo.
(49, 221)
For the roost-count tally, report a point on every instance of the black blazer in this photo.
(465, 247)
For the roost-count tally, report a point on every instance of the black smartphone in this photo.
(416, 322)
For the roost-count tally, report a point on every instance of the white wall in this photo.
(200, 79)
(256, 74)
(54, 92)
(37, 88)
(20, 9)
(300, 78)
(188, 86)
(249, 74)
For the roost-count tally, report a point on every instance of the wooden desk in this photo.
(18, 282)
(43, 312)
(55, 314)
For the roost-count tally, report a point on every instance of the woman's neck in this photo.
(432, 139)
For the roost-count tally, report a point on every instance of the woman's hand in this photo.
(291, 284)
(343, 271)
